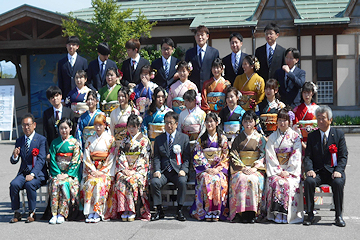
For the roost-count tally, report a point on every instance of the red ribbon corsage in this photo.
(120, 74)
(333, 150)
(35, 152)
(132, 96)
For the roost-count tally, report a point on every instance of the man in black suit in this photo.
(290, 78)
(170, 166)
(271, 55)
(322, 165)
(165, 66)
(97, 68)
(233, 61)
(53, 114)
(69, 65)
(131, 67)
(201, 57)
(31, 148)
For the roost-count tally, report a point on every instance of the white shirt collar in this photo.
(166, 60)
(60, 109)
(326, 133)
(137, 58)
(173, 135)
(203, 48)
(74, 56)
(236, 54)
(100, 62)
(273, 46)
(31, 136)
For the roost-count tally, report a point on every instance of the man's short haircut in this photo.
(168, 41)
(173, 115)
(52, 91)
(272, 26)
(323, 109)
(132, 44)
(73, 39)
(295, 52)
(103, 48)
(28, 115)
(237, 35)
(202, 28)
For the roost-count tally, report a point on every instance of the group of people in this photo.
(158, 123)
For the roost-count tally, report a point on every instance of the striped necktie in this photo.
(169, 167)
(166, 69)
(271, 53)
(27, 146)
(236, 66)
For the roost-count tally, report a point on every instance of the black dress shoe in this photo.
(180, 216)
(339, 221)
(16, 218)
(237, 219)
(309, 220)
(158, 215)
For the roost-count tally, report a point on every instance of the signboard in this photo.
(6, 107)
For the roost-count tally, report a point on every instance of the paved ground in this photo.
(191, 229)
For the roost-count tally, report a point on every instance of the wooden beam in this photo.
(357, 85)
(259, 10)
(335, 101)
(2, 38)
(350, 8)
(34, 28)
(58, 42)
(8, 34)
(48, 31)
(16, 61)
(292, 9)
(21, 33)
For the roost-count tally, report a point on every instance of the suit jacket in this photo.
(95, 81)
(291, 95)
(316, 159)
(128, 75)
(162, 156)
(49, 130)
(160, 78)
(66, 73)
(230, 73)
(26, 167)
(277, 61)
(201, 73)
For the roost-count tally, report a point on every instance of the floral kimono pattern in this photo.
(143, 96)
(213, 94)
(129, 190)
(155, 118)
(99, 155)
(304, 112)
(177, 91)
(76, 100)
(64, 158)
(211, 190)
(284, 195)
(86, 120)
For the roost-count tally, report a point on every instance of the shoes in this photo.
(16, 218)
(208, 217)
(180, 216)
(90, 218)
(124, 216)
(237, 219)
(158, 215)
(339, 221)
(53, 220)
(96, 218)
(214, 218)
(60, 219)
(278, 218)
(284, 218)
(31, 217)
(309, 220)
(131, 216)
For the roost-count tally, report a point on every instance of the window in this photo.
(325, 83)
(7, 70)
(275, 10)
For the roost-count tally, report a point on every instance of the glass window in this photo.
(325, 81)
(7, 70)
(275, 9)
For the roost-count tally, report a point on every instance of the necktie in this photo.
(271, 53)
(169, 167)
(200, 56)
(166, 69)
(286, 81)
(133, 65)
(324, 142)
(57, 115)
(72, 61)
(236, 66)
(102, 70)
(27, 146)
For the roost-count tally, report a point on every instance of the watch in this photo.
(32, 174)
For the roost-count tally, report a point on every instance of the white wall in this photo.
(345, 44)
(346, 82)
(324, 45)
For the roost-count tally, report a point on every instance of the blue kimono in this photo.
(157, 122)
(143, 96)
(85, 120)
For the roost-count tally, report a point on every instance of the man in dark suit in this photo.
(201, 57)
(31, 148)
(165, 66)
(290, 78)
(131, 67)
(97, 68)
(69, 65)
(233, 61)
(322, 165)
(271, 55)
(53, 114)
(170, 166)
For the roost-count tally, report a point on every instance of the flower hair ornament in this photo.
(223, 72)
(291, 116)
(121, 74)
(153, 74)
(315, 87)
(190, 66)
(198, 99)
(257, 64)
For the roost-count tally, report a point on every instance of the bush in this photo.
(346, 120)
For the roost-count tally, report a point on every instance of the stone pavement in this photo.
(169, 228)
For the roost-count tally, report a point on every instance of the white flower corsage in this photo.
(177, 151)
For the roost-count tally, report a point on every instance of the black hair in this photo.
(248, 116)
(273, 84)
(146, 68)
(81, 73)
(190, 95)
(173, 115)
(73, 39)
(232, 89)
(52, 91)
(237, 35)
(307, 87)
(217, 63)
(67, 121)
(168, 41)
(115, 70)
(205, 136)
(133, 44)
(272, 26)
(183, 64)
(125, 90)
(202, 28)
(133, 120)
(93, 94)
(251, 60)
(28, 115)
(152, 107)
(284, 113)
(295, 52)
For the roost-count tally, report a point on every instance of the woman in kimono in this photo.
(145, 89)
(85, 127)
(99, 155)
(231, 115)
(108, 93)
(153, 124)
(131, 173)
(119, 117)
(247, 172)
(175, 99)
(211, 164)
(192, 119)
(250, 84)
(284, 198)
(214, 89)
(64, 172)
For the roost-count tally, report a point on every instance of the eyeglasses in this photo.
(166, 49)
(24, 125)
(170, 123)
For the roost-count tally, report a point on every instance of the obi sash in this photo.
(109, 107)
(63, 161)
(283, 158)
(79, 108)
(178, 104)
(131, 158)
(270, 121)
(88, 132)
(99, 158)
(141, 104)
(212, 155)
(231, 128)
(120, 131)
(216, 101)
(244, 101)
(307, 126)
(249, 157)
(155, 129)
(192, 130)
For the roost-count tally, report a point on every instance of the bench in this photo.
(329, 204)
(169, 194)
(42, 197)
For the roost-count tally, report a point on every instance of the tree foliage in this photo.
(109, 24)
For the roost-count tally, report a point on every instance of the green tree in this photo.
(109, 24)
